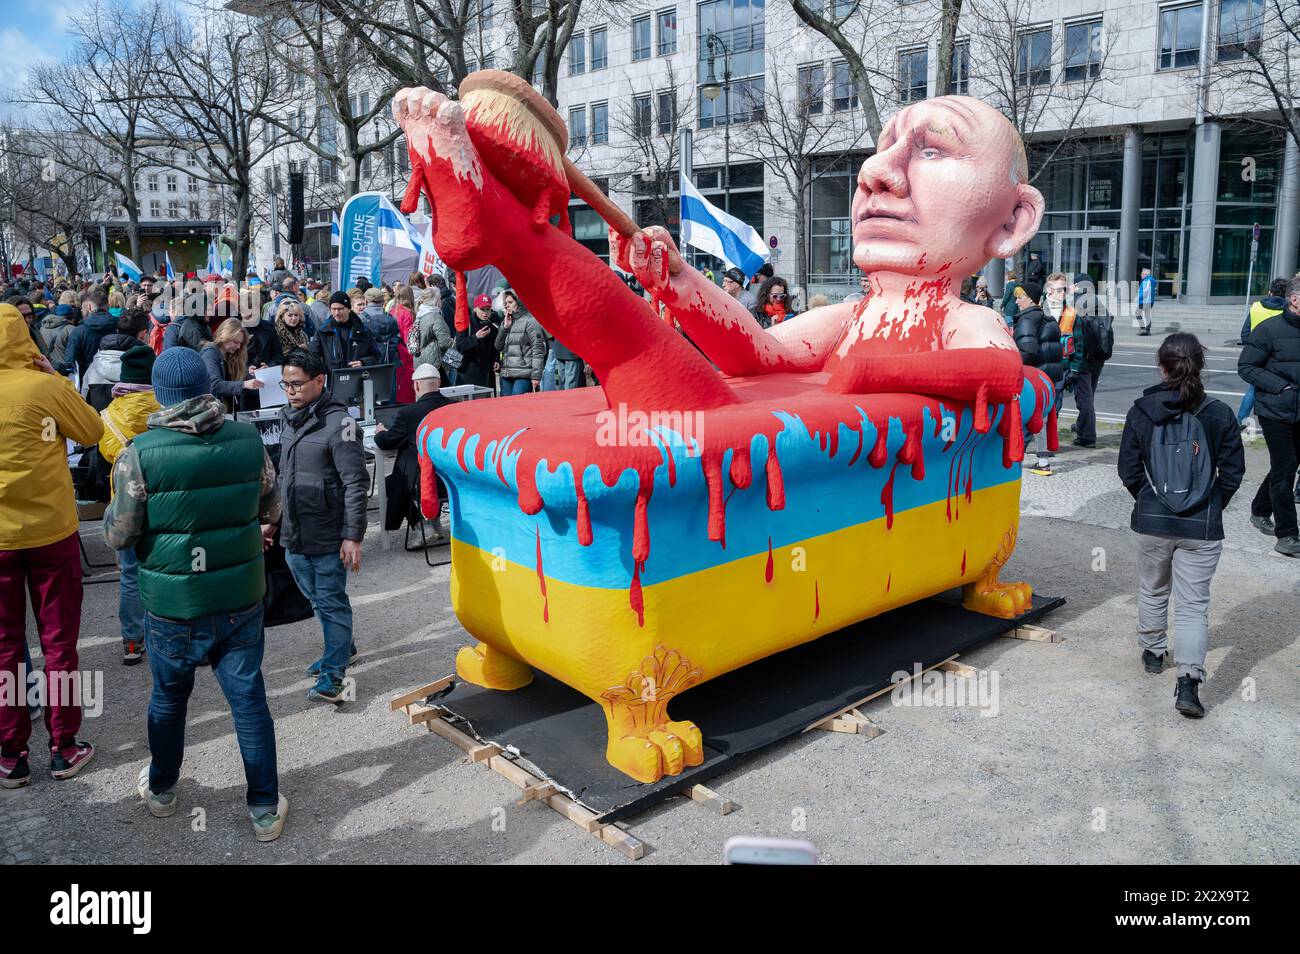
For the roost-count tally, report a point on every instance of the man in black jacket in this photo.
(324, 486)
(1038, 336)
(83, 343)
(401, 438)
(344, 341)
(1270, 360)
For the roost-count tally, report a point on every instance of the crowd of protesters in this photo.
(147, 379)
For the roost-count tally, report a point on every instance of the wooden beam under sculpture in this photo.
(677, 523)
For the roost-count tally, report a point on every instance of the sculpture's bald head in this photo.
(947, 186)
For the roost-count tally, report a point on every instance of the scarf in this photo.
(776, 311)
(120, 389)
(291, 339)
(297, 417)
(198, 415)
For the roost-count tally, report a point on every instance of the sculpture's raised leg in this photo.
(643, 741)
(992, 597)
(491, 668)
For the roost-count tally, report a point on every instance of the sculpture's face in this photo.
(942, 189)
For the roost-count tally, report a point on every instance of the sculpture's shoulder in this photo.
(976, 326)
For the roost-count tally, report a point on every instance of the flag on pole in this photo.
(214, 258)
(334, 228)
(167, 261)
(127, 267)
(711, 230)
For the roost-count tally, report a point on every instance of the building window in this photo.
(844, 92)
(599, 48)
(812, 89)
(173, 209)
(666, 25)
(959, 82)
(171, 183)
(599, 123)
(641, 38)
(153, 182)
(326, 169)
(1034, 58)
(1180, 37)
(191, 185)
(578, 54)
(403, 156)
(191, 160)
(539, 68)
(1241, 28)
(1082, 50)
(642, 118)
(667, 113)
(194, 210)
(578, 126)
(740, 25)
(367, 165)
(913, 82)
(155, 209)
(830, 246)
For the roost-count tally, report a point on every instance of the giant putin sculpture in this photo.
(676, 523)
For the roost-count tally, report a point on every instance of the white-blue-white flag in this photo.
(334, 228)
(127, 267)
(214, 258)
(167, 261)
(711, 230)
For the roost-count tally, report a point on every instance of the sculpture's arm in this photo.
(720, 325)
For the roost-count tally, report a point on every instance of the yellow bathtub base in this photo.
(700, 626)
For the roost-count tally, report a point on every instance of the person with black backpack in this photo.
(1181, 458)
(1094, 341)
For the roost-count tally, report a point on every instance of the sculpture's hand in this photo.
(657, 264)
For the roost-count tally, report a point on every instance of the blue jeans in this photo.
(324, 580)
(511, 386)
(130, 613)
(233, 644)
(548, 371)
(569, 375)
(1247, 405)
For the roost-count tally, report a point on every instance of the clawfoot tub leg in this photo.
(643, 741)
(491, 668)
(992, 597)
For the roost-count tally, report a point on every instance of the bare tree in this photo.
(649, 155)
(91, 115)
(1019, 72)
(50, 211)
(796, 136)
(852, 26)
(949, 20)
(214, 83)
(1256, 64)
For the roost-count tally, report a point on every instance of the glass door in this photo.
(1090, 252)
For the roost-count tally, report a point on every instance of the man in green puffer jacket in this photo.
(196, 496)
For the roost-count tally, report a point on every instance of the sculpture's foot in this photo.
(649, 754)
(491, 668)
(993, 598)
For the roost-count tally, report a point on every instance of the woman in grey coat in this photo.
(522, 344)
(433, 337)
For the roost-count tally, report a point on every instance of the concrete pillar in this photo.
(1287, 234)
(1129, 205)
(995, 272)
(1200, 234)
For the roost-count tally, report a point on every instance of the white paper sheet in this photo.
(271, 395)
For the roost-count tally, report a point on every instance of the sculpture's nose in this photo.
(886, 170)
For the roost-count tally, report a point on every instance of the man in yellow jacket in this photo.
(124, 418)
(39, 412)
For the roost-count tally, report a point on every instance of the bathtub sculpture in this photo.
(637, 539)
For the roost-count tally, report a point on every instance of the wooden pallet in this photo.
(532, 788)
(1038, 634)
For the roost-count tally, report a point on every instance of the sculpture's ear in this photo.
(1012, 235)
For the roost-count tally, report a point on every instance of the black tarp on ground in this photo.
(562, 733)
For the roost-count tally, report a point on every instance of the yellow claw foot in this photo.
(992, 598)
(643, 741)
(491, 668)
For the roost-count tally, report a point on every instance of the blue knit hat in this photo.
(178, 375)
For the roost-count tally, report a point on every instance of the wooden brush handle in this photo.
(590, 193)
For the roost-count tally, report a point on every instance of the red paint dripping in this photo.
(887, 497)
(1013, 436)
(530, 501)
(741, 472)
(817, 600)
(877, 456)
(641, 525)
(963, 562)
(1053, 442)
(717, 504)
(584, 514)
(968, 479)
(770, 568)
(775, 482)
(856, 453)
(541, 580)
(634, 596)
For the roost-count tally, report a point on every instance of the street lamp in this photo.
(711, 89)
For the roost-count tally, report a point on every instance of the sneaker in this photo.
(268, 825)
(68, 761)
(162, 804)
(1152, 662)
(327, 689)
(14, 770)
(1042, 470)
(1186, 699)
(1288, 546)
(132, 652)
(314, 668)
(1263, 524)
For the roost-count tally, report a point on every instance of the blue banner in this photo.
(360, 251)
